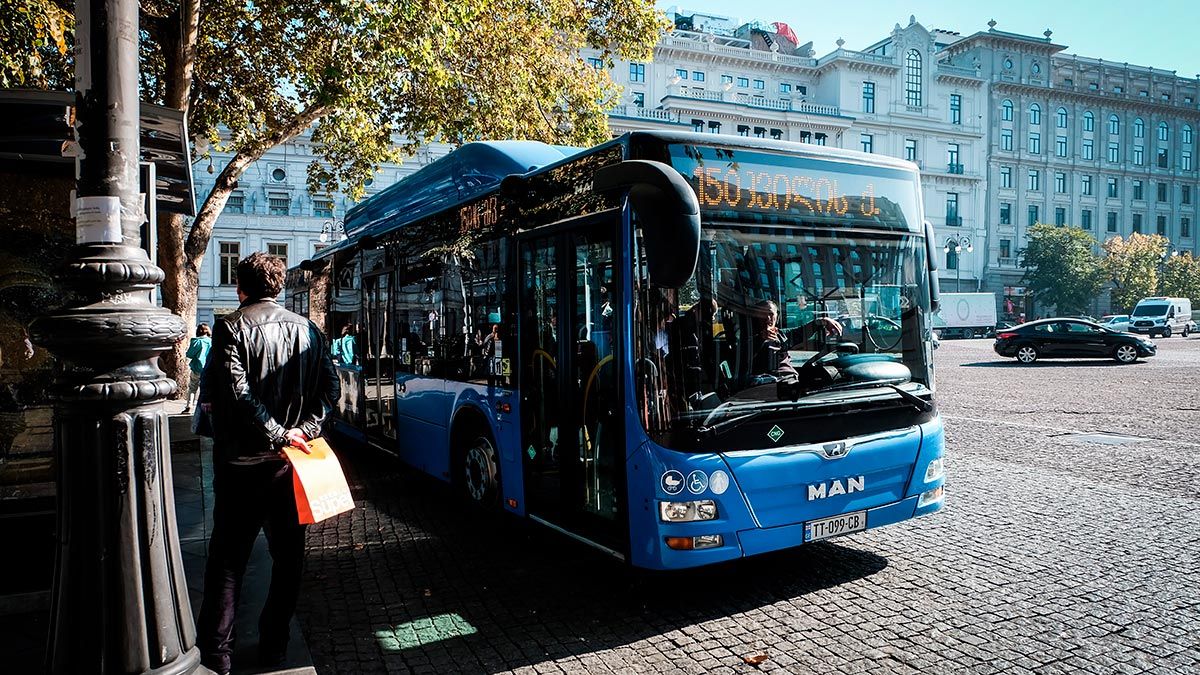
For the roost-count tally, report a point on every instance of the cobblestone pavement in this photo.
(1053, 555)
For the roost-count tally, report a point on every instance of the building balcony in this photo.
(637, 112)
(1010, 262)
(954, 168)
(953, 220)
(751, 101)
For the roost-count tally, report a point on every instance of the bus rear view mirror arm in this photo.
(669, 212)
(935, 289)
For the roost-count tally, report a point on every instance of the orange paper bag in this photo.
(320, 485)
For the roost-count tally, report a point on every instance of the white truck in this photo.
(1162, 316)
(966, 315)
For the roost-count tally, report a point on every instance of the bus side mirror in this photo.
(668, 210)
(935, 289)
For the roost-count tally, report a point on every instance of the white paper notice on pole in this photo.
(98, 220)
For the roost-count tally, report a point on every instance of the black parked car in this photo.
(1066, 338)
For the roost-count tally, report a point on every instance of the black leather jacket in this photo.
(269, 371)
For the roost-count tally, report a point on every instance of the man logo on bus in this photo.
(836, 487)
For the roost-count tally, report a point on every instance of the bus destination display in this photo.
(768, 190)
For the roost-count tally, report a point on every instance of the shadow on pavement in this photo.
(416, 580)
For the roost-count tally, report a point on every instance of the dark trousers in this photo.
(247, 498)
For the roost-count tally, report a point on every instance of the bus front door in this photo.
(378, 362)
(570, 413)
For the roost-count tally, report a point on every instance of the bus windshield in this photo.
(801, 308)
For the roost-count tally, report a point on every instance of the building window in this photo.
(278, 251)
(1094, 86)
(1137, 223)
(698, 125)
(1035, 143)
(1162, 158)
(1060, 146)
(952, 209)
(951, 258)
(1035, 115)
(278, 175)
(955, 109)
(1005, 248)
(1089, 121)
(1186, 134)
(697, 76)
(637, 72)
(1085, 219)
(1060, 216)
(1033, 215)
(1086, 185)
(714, 127)
(785, 88)
(639, 99)
(868, 97)
(1185, 194)
(681, 73)
(1138, 195)
(820, 139)
(1035, 179)
(867, 141)
(1060, 118)
(743, 130)
(1113, 193)
(1005, 214)
(1006, 142)
(802, 89)
(1160, 225)
(323, 208)
(1111, 221)
(912, 78)
(760, 84)
(1089, 151)
(1006, 176)
(726, 79)
(1185, 227)
(278, 204)
(1118, 89)
(1162, 192)
(236, 203)
(1139, 128)
(1006, 111)
(231, 252)
(743, 82)
(1114, 152)
(777, 134)
(1060, 182)
(1114, 125)
(595, 62)
(952, 158)
(910, 149)
(1164, 132)
(1139, 155)
(1185, 160)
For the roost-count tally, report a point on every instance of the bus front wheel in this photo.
(479, 469)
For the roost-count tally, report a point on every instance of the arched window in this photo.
(1006, 111)
(1139, 128)
(1060, 118)
(1089, 121)
(1114, 125)
(1035, 114)
(912, 78)
(1187, 134)
(1164, 132)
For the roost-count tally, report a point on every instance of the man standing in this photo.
(270, 383)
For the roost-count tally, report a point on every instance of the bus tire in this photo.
(477, 466)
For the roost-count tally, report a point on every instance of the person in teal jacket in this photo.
(342, 349)
(197, 355)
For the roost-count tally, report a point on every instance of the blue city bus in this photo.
(677, 348)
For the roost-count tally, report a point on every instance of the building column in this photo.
(120, 602)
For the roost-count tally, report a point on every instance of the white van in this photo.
(1162, 316)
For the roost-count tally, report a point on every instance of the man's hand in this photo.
(297, 439)
(832, 328)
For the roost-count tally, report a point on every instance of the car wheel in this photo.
(1125, 353)
(479, 479)
(1166, 332)
(1027, 354)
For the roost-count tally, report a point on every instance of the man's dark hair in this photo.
(260, 275)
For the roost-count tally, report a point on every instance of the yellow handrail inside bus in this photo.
(587, 390)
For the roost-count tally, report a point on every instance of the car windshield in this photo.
(781, 316)
(1154, 309)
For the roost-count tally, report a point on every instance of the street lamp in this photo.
(333, 230)
(1170, 252)
(958, 243)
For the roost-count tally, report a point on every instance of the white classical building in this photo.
(1008, 130)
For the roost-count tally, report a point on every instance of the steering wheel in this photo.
(877, 319)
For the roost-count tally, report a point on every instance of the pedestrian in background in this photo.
(197, 355)
(270, 384)
(342, 348)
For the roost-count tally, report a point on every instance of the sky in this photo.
(1159, 33)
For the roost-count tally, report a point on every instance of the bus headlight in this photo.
(935, 470)
(687, 512)
(932, 497)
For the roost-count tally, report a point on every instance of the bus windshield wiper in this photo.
(916, 401)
